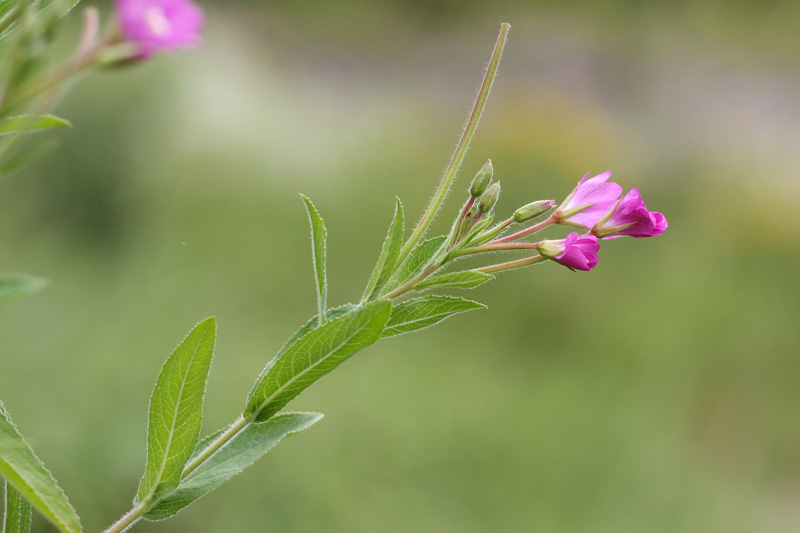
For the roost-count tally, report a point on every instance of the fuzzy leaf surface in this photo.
(389, 254)
(425, 311)
(31, 123)
(14, 286)
(467, 279)
(26, 473)
(418, 260)
(18, 512)
(176, 411)
(242, 451)
(318, 237)
(315, 354)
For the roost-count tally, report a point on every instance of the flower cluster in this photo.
(595, 205)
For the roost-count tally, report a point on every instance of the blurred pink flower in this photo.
(576, 252)
(160, 25)
(589, 202)
(631, 217)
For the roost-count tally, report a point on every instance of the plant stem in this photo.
(495, 247)
(223, 439)
(511, 264)
(127, 520)
(527, 231)
(410, 285)
(461, 149)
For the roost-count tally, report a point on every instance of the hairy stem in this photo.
(527, 231)
(461, 149)
(127, 520)
(511, 264)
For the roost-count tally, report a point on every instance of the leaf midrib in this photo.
(160, 472)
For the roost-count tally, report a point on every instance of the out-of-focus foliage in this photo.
(656, 393)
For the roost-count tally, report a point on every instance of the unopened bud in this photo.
(489, 198)
(550, 249)
(533, 210)
(482, 179)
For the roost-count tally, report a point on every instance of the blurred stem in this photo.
(461, 149)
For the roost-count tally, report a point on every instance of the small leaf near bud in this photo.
(482, 179)
(533, 210)
(489, 198)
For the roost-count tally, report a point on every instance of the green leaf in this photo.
(242, 451)
(418, 260)
(313, 355)
(466, 279)
(14, 286)
(26, 473)
(18, 512)
(389, 254)
(176, 411)
(31, 123)
(318, 236)
(418, 313)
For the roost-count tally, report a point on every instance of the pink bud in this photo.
(576, 252)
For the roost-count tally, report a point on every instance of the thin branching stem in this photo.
(461, 149)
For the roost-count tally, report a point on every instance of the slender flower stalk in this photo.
(511, 264)
(461, 149)
(495, 247)
(527, 231)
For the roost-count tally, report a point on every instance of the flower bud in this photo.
(533, 210)
(482, 179)
(489, 198)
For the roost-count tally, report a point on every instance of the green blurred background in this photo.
(657, 393)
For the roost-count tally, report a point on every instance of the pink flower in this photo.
(589, 202)
(631, 217)
(160, 25)
(576, 252)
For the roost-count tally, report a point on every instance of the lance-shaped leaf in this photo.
(313, 355)
(318, 236)
(18, 512)
(14, 286)
(242, 451)
(32, 123)
(418, 313)
(418, 260)
(26, 473)
(467, 279)
(389, 255)
(176, 412)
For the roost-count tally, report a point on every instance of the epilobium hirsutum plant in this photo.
(400, 297)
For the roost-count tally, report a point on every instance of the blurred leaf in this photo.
(176, 411)
(318, 235)
(18, 512)
(242, 451)
(419, 313)
(419, 259)
(315, 354)
(467, 279)
(31, 123)
(26, 473)
(389, 254)
(18, 285)
(25, 154)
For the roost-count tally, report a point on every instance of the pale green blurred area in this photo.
(657, 393)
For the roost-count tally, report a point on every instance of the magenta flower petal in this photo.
(160, 25)
(575, 252)
(631, 217)
(589, 202)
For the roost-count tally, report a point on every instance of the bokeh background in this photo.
(657, 393)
